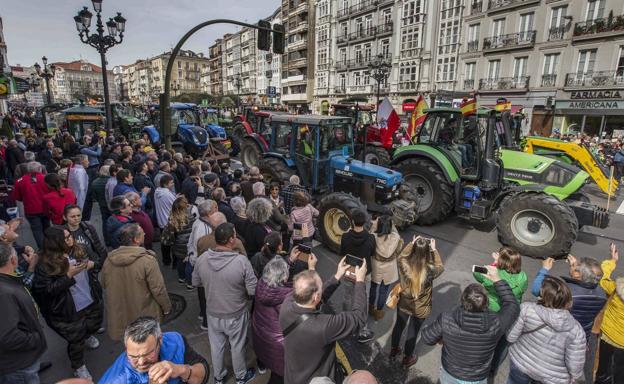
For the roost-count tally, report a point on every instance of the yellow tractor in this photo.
(575, 154)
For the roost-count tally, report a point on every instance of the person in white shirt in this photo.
(78, 180)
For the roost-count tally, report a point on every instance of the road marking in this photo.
(620, 210)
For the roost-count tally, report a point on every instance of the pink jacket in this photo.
(302, 215)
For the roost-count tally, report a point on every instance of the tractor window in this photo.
(334, 137)
(365, 118)
(282, 138)
(184, 117)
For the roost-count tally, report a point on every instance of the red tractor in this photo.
(251, 135)
(379, 141)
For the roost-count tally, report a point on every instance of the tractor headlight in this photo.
(196, 140)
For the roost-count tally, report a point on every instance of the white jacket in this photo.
(200, 229)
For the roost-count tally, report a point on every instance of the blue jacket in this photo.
(93, 153)
(123, 188)
(171, 349)
(587, 299)
(113, 227)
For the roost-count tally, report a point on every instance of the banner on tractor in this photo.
(468, 107)
(417, 117)
(387, 118)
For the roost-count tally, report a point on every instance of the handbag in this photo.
(393, 297)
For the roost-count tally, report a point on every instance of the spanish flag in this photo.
(417, 117)
(503, 106)
(468, 107)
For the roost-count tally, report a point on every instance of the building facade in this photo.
(561, 62)
(79, 80)
(216, 68)
(297, 83)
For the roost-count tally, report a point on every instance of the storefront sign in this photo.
(606, 94)
(590, 104)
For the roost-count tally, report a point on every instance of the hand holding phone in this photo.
(354, 261)
(479, 269)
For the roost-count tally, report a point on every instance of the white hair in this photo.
(259, 189)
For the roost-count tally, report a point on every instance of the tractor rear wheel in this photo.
(274, 169)
(435, 198)
(536, 225)
(335, 213)
(237, 136)
(377, 155)
(250, 153)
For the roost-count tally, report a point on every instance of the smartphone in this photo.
(304, 248)
(480, 269)
(297, 226)
(354, 261)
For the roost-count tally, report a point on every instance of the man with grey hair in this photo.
(156, 357)
(29, 189)
(247, 184)
(22, 168)
(78, 180)
(588, 298)
(288, 192)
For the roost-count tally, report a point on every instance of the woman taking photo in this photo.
(301, 222)
(384, 273)
(547, 344)
(84, 234)
(56, 199)
(176, 235)
(69, 294)
(419, 264)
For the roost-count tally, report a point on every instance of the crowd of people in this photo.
(245, 247)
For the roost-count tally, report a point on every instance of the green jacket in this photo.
(518, 282)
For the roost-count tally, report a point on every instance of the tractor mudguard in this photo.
(531, 188)
(430, 153)
(262, 144)
(289, 162)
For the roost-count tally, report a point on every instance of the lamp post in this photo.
(237, 83)
(47, 73)
(379, 69)
(116, 27)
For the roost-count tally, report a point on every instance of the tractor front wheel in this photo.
(335, 213)
(537, 225)
(250, 153)
(377, 155)
(274, 169)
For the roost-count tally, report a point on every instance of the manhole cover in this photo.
(178, 305)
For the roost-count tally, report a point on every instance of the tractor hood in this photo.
(196, 135)
(216, 131)
(558, 178)
(348, 166)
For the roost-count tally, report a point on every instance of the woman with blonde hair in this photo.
(419, 264)
(176, 234)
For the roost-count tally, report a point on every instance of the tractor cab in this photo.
(125, 120)
(209, 119)
(189, 135)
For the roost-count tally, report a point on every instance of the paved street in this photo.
(460, 245)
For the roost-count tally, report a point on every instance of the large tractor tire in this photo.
(536, 225)
(274, 169)
(377, 155)
(335, 212)
(250, 153)
(433, 191)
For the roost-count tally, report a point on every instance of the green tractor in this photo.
(320, 150)
(126, 121)
(469, 165)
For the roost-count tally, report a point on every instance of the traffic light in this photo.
(278, 38)
(264, 35)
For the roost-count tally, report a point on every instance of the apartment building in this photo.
(269, 70)
(78, 80)
(120, 81)
(215, 68)
(239, 64)
(561, 62)
(297, 81)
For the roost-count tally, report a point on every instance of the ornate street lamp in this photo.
(116, 27)
(47, 73)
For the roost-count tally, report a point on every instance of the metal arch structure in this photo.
(165, 122)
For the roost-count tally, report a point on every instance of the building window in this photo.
(551, 63)
(473, 37)
(526, 26)
(520, 67)
(494, 69)
(412, 12)
(557, 23)
(408, 76)
(586, 60)
(469, 71)
(344, 29)
(342, 81)
(410, 38)
(343, 55)
(595, 10)
(619, 69)
(368, 52)
(445, 70)
(385, 48)
(323, 8)
(386, 17)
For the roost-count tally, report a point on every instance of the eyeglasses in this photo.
(139, 357)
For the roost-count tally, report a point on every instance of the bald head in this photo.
(360, 377)
(216, 219)
(308, 288)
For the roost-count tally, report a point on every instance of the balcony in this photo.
(599, 28)
(469, 84)
(340, 90)
(472, 46)
(506, 5)
(411, 53)
(520, 83)
(297, 63)
(355, 9)
(556, 33)
(509, 42)
(299, 44)
(359, 62)
(297, 27)
(300, 8)
(599, 79)
(359, 89)
(476, 8)
(549, 80)
(365, 33)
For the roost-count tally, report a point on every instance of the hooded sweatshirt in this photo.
(360, 244)
(518, 282)
(229, 281)
(554, 354)
(134, 287)
(163, 201)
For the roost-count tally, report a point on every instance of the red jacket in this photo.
(30, 189)
(54, 204)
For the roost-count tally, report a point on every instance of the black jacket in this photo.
(309, 348)
(470, 338)
(98, 247)
(190, 189)
(225, 208)
(22, 340)
(587, 301)
(360, 244)
(141, 181)
(54, 297)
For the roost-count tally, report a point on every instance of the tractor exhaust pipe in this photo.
(506, 120)
(491, 168)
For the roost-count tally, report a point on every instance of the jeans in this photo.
(379, 294)
(181, 268)
(28, 375)
(610, 364)
(500, 354)
(38, 224)
(412, 332)
(446, 378)
(188, 273)
(165, 250)
(516, 376)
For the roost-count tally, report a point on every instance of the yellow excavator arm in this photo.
(578, 153)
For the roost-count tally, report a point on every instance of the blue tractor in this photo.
(320, 150)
